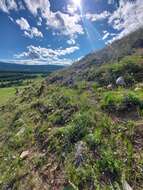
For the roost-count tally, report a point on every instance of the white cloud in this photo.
(106, 35)
(33, 32)
(46, 53)
(11, 5)
(105, 31)
(72, 8)
(23, 23)
(63, 23)
(39, 62)
(29, 31)
(34, 6)
(39, 23)
(68, 25)
(8, 5)
(20, 5)
(127, 18)
(71, 41)
(96, 17)
(10, 18)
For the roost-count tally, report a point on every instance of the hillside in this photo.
(74, 132)
(85, 68)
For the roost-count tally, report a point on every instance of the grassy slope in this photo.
(84, 137)
(9, 92)
(6, 94)
(86, 67)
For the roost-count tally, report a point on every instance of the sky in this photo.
(63, 31)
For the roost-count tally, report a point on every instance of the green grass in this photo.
(9, 92)
(90, 149)
(6, 94)
(121, 99)
(68, 129)
(130, 68)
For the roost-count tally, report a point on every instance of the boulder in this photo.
(24, 154)
(120, 81)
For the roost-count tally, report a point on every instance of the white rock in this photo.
(120, 81)
(126, 186)
(137, 89)
(110, 87)
(140, 85)
(24, 154)
(80, 148)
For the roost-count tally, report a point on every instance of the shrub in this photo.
(120, 101)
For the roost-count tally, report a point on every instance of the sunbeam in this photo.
(91, 31)
(77, 2)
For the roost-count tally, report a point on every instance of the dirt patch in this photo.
(125, 115)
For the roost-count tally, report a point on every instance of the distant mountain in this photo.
(9, 67)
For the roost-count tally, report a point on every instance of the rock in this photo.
(137, 89)
(139, 85)
(120, 81)
(110, 87)
(126, 186)
(79, 154)
(24, 154)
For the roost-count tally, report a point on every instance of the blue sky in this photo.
(62, 31)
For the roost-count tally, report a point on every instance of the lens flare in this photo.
(77, 2)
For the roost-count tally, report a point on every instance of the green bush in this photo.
(121, 101)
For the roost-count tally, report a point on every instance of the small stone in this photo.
(24, 154)
(137, 89)
(140, 85)
(126, 186)
(120, 81)
(79, 154)
(14, 157)
(44, 150)
(110, 87)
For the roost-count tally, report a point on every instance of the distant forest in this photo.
(16, 74)
(8, 79)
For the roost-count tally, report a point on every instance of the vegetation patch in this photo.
(122, 101)
(74, 137)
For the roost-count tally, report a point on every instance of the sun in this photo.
(77, 2)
